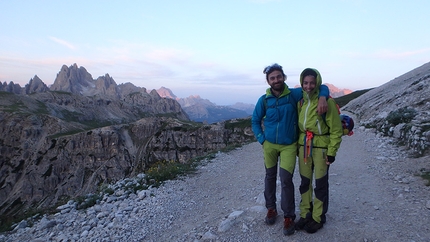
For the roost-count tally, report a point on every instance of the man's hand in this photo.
(322, 106)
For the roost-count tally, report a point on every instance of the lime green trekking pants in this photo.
(287, 161)
(316, 166)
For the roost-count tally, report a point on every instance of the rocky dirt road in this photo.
(375, 195)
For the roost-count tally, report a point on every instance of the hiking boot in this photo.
(301, 223)
(312, 226)
(288, 226)
(271, 216)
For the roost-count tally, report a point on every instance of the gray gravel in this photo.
(375, 195)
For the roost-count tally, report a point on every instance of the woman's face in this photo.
(309, 83)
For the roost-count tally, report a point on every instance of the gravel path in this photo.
(374, 196)
(370, 198)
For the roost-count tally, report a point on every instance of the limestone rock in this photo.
(399, 108)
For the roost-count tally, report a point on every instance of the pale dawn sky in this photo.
(216, 49)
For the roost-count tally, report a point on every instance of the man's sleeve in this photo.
(257, 117)
(324, 91)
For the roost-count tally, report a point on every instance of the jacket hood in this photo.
(318, 78)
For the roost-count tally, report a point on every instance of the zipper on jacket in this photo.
(319, 126)
(277, 125)
(306, 112)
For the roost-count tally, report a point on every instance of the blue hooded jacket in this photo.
(279, 115)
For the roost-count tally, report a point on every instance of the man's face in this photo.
(309, 83)
(276, 80)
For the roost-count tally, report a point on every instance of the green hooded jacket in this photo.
(327, 129)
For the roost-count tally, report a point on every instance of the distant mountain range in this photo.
(203, 110)
(197, 108)
(335, 91)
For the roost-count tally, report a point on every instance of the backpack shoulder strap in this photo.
(301, 102)
(264, 101)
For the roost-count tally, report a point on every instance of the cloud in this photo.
(386, 54)
(264, 1)
(63, 42)
(169, 54)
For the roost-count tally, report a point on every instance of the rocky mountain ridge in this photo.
(337, 92)
(64, 141)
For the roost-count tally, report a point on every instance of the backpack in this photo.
(347, 121)
(347, 124)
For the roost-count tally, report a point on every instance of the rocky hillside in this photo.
(400, 108)
(64, 141)
(203, 110)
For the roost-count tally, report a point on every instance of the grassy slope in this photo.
(343, 100)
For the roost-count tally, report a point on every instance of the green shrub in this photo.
(162, 171)
(343, 100)
(16, 107)
(87, 201)
(238, 123)
(105, 189)
(402, 115)
(426, 175)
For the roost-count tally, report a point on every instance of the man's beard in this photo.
(279, 87)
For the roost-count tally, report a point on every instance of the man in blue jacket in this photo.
(274, 123)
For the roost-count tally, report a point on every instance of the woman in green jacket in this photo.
(319, 140)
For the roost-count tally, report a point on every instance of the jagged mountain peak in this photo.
(73, 79)
(337, 92)
(166, 92)
(35, 85)
(11, 87)
(78, 80)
